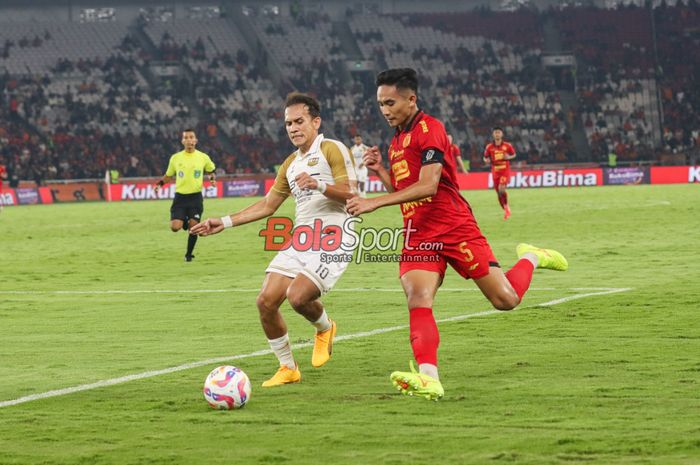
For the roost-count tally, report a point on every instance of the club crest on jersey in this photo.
(197, 173)
(180, 174)
(312, 161)
(406, 140)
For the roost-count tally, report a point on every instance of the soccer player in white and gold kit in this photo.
(318, 175)
(358, 150)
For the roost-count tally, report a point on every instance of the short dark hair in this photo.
(296, 98)
(402, 78)
(497, 128)
(188, 130)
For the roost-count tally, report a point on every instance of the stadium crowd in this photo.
(81, 116)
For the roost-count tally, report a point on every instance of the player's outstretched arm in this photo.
(427, 185)
(260, 209)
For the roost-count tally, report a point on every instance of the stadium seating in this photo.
(77, 98)
(472, 82)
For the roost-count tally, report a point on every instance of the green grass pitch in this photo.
(601, 379)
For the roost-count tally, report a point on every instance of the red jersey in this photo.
(424, 141)
(497, 154)
(3, 175)
(455, 151)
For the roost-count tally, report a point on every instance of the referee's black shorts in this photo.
(187, 207)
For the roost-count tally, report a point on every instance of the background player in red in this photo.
(423, 181)
(499, 154)
(457, 153)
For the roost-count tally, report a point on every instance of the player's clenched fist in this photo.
(372, 158)
(208, 227)
(305, 181)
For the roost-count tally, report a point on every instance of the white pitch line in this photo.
(244, 290)
(212, 361)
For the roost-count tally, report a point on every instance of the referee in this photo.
(187, 168)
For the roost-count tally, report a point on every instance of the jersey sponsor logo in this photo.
(424, 126)
(406, 141)
(312, 161)
(401, 170)
(395, 154)
(180, 174)
(407, 208)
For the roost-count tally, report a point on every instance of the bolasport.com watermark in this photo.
(344, 244)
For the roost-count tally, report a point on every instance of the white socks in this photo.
(283, 350)
(532, 258)
(323, 323)
(428, 369)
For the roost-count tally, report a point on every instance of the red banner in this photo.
(675, 174)
(7, 198)
(82, 191)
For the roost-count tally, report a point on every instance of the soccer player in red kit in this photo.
(499, 154)
(422, 180)
(457, 153)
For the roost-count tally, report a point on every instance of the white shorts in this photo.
(362, 174)
(322, 268)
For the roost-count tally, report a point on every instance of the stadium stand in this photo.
(79, 98)
(616, 86)
(473, 82)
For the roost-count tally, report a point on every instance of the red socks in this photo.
(520, 276)
(425, 337)
(503, 199)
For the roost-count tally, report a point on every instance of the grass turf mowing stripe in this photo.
(187, 366)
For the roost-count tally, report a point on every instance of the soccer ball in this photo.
(227, 388)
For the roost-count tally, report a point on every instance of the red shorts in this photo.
(500, 177)
(471, 259)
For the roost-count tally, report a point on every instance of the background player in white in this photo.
(318, 175)
(358, 150)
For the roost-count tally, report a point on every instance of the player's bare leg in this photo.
(506, 290)
(420, 287)
(496, 287)
(303, 295)
(272, 294)
(270, 298)
(176, 225)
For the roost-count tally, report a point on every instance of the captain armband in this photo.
(430, 156)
